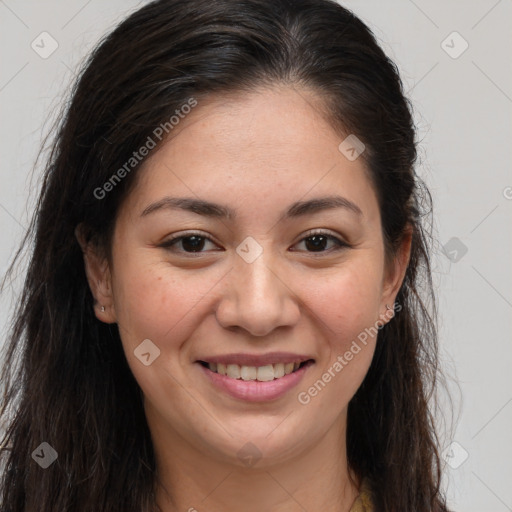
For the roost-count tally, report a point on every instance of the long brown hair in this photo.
(66, 380)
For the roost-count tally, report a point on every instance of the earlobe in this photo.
(99, 278)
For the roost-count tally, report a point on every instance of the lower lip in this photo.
(253, 390)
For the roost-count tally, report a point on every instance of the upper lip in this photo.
(256, 360)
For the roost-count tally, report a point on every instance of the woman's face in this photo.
(255, 287)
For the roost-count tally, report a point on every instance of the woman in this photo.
(222, 306)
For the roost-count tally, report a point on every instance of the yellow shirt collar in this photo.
(363, 502)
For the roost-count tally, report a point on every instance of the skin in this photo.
(257, 153)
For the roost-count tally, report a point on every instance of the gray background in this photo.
(463, 103)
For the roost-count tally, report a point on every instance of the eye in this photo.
(190, 242)
(316, 241)
(194, 243)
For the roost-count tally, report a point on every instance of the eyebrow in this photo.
(209, 209)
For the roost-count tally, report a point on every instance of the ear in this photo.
(394, 275)
(99, 278)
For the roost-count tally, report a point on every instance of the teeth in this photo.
(278, 370)
(265, 373)
(248, 372)
(260, 373)
(233, 371)
(288, 368)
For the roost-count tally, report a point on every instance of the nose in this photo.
(258, 297)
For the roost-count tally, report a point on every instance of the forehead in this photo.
(270, 124)
(273, 144)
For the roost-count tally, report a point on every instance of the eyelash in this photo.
(339, 243)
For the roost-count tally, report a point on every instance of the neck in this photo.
(315, 478)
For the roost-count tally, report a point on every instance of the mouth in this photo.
(257, 379)
(266, 373)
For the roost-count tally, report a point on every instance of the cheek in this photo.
(348, 300)
(152, 304)
(348, 305)
(157, 303)
(345, 355)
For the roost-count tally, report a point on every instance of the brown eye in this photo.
(192, 243)
(318, 242)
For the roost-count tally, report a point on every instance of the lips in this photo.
(262, 368)
(255, 383)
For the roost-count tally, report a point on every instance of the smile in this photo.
(265, 373)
